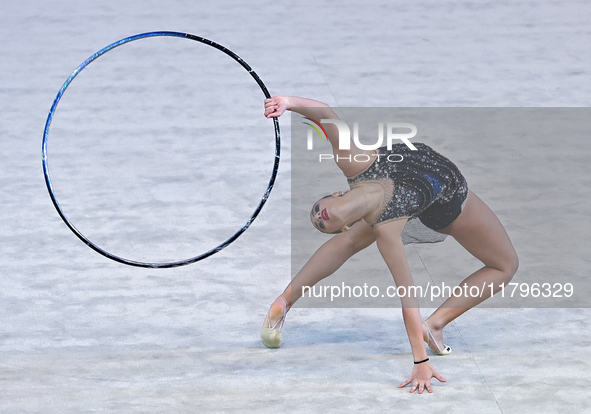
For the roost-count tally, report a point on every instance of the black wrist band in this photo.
(420, 362)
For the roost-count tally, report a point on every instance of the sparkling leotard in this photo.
(423, 184)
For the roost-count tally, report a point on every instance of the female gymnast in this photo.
(383, 196)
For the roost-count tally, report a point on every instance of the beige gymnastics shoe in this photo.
(271, 330)
(439, 350)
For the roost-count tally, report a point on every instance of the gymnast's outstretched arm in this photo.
(318, 111)
(392, 250)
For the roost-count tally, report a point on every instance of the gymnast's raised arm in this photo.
(319, 112)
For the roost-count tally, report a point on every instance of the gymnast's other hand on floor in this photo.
(421, 378)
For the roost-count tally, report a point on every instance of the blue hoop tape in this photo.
(50, 117)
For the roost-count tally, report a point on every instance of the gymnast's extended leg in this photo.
(324, 262)
(481, 233)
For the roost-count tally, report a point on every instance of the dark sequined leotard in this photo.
(420, 184)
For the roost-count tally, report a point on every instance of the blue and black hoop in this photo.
(203, 255)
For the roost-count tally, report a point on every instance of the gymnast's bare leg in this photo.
(481, 233)
(327, 259)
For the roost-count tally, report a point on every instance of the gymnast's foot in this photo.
(271, 331)
(434, 338)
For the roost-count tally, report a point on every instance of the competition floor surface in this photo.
(161, 150)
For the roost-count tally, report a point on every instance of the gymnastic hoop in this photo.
(45, 159)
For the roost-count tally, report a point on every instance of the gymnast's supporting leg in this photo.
(327, 259)
(481, 233)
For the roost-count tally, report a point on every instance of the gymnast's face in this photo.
(326, 215)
